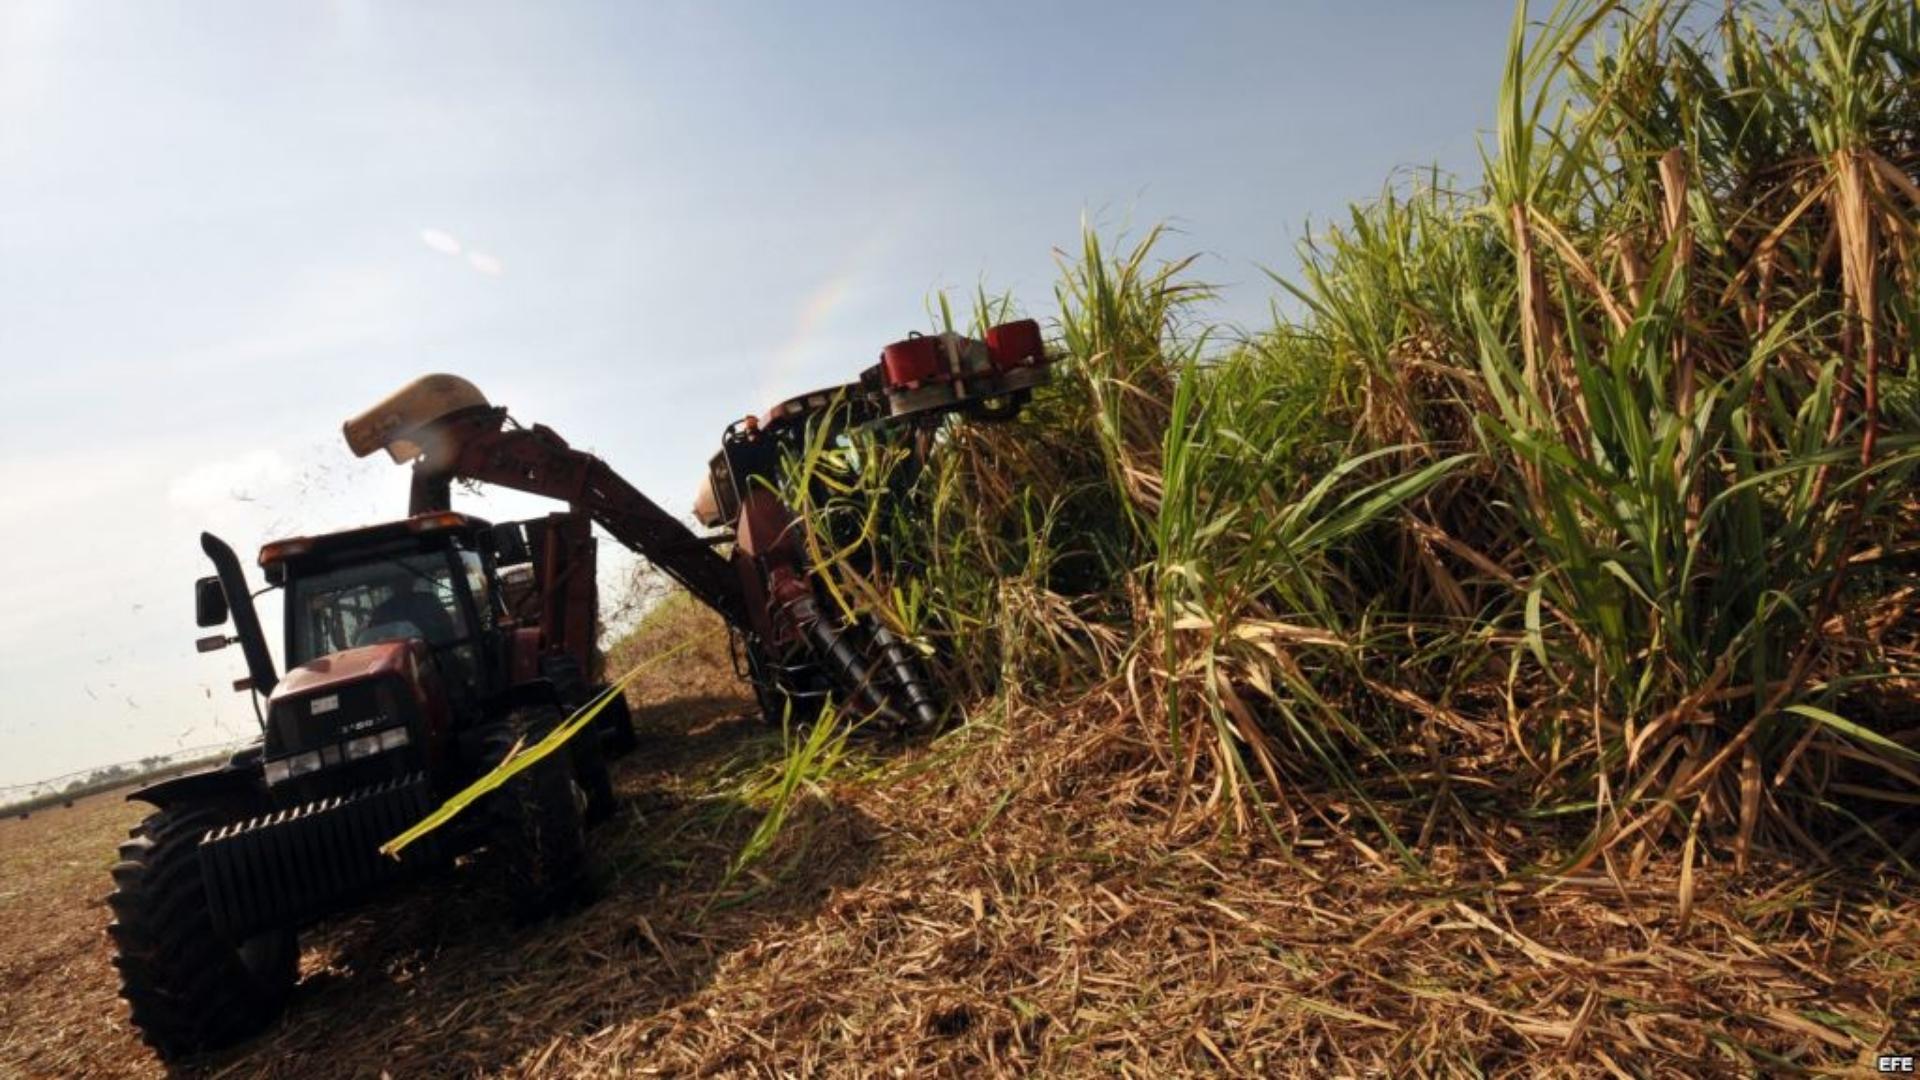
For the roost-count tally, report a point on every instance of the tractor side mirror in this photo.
(211, 643)
(209, 602)
(510, 545)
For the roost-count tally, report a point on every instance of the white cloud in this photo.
(447, 244)
(444, 243)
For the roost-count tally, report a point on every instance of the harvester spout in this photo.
(412, 422)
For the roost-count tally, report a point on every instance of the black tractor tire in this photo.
(590, 772)
(617, 735)
(189, 988)
(537, 835)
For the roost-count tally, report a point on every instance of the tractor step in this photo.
(291, 866)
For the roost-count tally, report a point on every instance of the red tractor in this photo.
(421, 654)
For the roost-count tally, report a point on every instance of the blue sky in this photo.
(224, 228)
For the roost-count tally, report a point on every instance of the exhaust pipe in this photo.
(246, 621)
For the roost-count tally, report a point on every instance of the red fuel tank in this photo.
(913, 361)
(1015, 344)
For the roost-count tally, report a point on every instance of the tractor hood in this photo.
(321, 705)
(346, 721)
(349, 666)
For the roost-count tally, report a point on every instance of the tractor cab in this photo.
(426, 578)
(390, 635)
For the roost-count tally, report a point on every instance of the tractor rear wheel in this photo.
(189, 988)
(590, 772)
(538, 838)
(615, 722)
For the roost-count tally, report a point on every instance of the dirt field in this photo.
(427, 982)
(56, 985)
(1007, 901)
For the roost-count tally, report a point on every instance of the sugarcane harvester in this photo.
(425, 653)
(797, 644)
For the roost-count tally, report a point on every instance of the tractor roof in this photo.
(325, 545)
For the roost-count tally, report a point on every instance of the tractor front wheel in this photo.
(189, 988)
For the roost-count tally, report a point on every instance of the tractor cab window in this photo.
(483, 599)
(390, 599)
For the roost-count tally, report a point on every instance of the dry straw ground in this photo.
(1005, 902)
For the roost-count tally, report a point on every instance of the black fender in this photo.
(222, 783)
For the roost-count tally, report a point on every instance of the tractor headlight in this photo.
(355, 749)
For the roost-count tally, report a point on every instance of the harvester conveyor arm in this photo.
(538, 461)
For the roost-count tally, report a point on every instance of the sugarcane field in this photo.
(864, 540)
